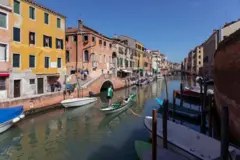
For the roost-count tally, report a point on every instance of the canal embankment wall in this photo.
(227, 80)
(37, 103)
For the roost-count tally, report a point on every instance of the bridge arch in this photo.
(104, 86)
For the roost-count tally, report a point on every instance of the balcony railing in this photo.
(94, 64)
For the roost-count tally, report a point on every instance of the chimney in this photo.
(115, 36)
(80, 25)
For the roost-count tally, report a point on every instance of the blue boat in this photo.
(10, 116)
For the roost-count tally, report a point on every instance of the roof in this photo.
(43, 7)
(230, 23)
(70, 30)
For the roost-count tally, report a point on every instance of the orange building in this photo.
(88, 49)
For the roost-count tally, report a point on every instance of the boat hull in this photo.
(107, 112)
(5, 126)
(79, 102)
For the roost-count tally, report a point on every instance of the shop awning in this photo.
(127, 71)
(141, 70)
(4, 74)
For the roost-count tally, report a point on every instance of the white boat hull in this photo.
(116, 110)
(160, 77)
(5, 126)
(77, 102)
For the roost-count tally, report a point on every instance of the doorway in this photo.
(17, 88)
(40, 85)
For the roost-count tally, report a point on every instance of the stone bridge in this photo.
(182, 71)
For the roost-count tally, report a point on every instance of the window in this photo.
(100, 57)
(93, 39)
(105, 60)
(2, 83)
(16, 7)
(142, 48)
(110, 59)
(3, 20)
(59, 62)
(85, 38)
(47, 41)
(59, 43)
(110, 45)
(3, 52)
(199, 56)
(46, 62)
(58, 23)
(126, 63)
(199, 62)
(31, 38)
(16, 34)
(32, 61)
(145, 64)
(66, 38)
(46, 18)
(104, 43)
(31, 12)
(16, 60)
(67, 56)
(100, 42)
(31, 81)
(75, 38)
(86, 56)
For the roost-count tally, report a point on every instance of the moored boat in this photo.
(189, 143)
(181, 111)
(142, 82)
(118, 106)
(77, 102)
(160, 76)
(10, 116)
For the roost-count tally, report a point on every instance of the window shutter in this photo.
(61, 44)
(50, 42)
(2, 52)
(56, 43)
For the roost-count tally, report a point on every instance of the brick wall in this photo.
(227, 80)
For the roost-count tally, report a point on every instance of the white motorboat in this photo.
(10, 116)
(189, 143)
(77, 102)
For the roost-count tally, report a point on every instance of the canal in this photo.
(85, 133)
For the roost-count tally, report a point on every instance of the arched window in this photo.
(86, 56)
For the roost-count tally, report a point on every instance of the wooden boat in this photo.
(189, 96)
(77, 102)
(10, 116)
(181, 111)
(197, 90)
(189, 143)
(144, 152)
(118, 106)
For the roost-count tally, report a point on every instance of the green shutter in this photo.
(46, 17)
(16, 7)
(58, 23)
(3, 20)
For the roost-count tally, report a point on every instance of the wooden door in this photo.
(17, 88)
(40, 85)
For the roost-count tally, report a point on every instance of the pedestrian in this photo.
(110, 94)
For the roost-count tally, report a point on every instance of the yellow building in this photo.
(37, 49)
(140, 52)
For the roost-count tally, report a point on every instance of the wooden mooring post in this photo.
(210, 115)
(224, 133)
(181, 96)
(174, 105)
(203, 106)
(164, 122)
(154, 135)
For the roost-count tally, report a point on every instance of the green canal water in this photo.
(85, 133)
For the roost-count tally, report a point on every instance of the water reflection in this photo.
(78, 133)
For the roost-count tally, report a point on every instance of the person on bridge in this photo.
(110, 94)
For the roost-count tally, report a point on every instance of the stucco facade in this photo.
(37, 49)
(5, 38)
(198, 59)
(88, 49)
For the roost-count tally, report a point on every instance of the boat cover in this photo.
(7, 114)
(160, 102)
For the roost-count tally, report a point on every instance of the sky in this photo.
(172, 26)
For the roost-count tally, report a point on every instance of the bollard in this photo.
(224, 133)
(154, 134)
(164, 123)
(174, 105)
(210, 99)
